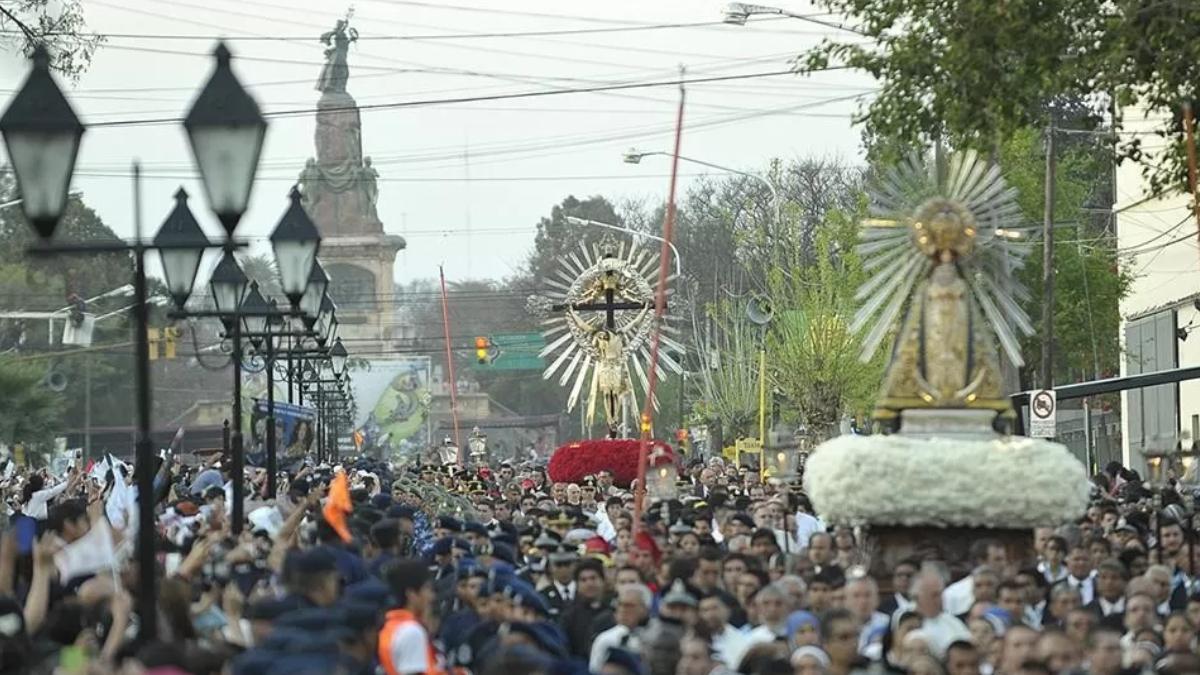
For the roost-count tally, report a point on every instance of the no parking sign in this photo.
(1043, 413)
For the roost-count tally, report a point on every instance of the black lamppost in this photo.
(228, 286)
(42, 135)
(245, 312)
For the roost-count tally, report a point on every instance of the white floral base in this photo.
(1005, 482)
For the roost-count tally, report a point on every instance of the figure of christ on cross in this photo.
(610, 381)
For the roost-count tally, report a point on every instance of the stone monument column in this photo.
(340, 192)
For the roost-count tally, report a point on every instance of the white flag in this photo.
(89, 554)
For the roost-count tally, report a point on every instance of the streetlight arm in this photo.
(595, 223)
(743, 11)
(749, 174)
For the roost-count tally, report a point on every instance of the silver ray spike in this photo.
(891, 312)
(566, 376)
(579, 380)
(550, 348)
(566, 352)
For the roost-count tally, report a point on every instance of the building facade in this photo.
(1157, 242)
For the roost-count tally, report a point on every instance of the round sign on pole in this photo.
(1043, 406)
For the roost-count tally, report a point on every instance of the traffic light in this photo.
(153, 336)
(482, 345)
(169, 334)
(162, 342)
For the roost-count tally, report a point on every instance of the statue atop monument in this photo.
(336, 71)
(339, 186)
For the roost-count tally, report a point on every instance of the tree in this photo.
(812, 355)
(728, 373)
(29, 412)
(261, 268)
(556, 238)
(1089, 284)
(58, 24)
(977, 72)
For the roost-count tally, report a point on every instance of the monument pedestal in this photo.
(360, 272)
(340, 188)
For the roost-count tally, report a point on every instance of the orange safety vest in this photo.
(394, 620)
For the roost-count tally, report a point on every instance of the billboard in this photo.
(294, 433)
(392, 397)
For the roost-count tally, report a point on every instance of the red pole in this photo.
(660, 305)
(450, 363)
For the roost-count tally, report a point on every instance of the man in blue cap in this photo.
(457, 626)
(311, 578)
(385, 539)
(495, 609)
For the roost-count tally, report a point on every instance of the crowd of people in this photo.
(367, 567)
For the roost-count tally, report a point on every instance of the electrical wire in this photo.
(396, 105)
(428, 36)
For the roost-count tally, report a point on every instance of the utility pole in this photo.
(1047, 379)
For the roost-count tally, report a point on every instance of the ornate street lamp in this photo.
(228, 284)
(225, 130)
(254, 314)
(181, 244)
(327, 323)
(314, 293)
(295, 240)
(42, 134)
(338, 357)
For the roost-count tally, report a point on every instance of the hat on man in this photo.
(449, 523)
(475, 528)
(443, 546)
(545, 636)
(401, 511)
(559, 519)
(524, 595)
(679, 595)
(563, 555)
(625, 660)
(370, 591)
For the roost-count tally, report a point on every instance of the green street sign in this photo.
(517, 351)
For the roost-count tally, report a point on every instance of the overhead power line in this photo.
(674, 82)
(416, 36)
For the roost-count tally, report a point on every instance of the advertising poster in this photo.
(393, 404)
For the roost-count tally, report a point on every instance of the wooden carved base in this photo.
(892, 544)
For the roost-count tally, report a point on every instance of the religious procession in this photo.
(877, 361)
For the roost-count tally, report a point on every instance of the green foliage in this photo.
(29, 412)
(978, 72)
(59, 24)
(1089, 284)
(261, 268)
(813, 356)
(729, 377)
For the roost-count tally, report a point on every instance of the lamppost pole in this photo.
(144, 448)
(272, 459)
(239, 449)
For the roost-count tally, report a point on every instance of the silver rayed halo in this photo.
(569, 333)
(896, 265)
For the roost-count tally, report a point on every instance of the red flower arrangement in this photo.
(571, 462)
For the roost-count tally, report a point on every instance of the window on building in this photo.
(1150, 346)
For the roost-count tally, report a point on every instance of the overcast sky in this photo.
(464, 183)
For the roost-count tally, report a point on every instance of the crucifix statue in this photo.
(600, 318)
(606, 292)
